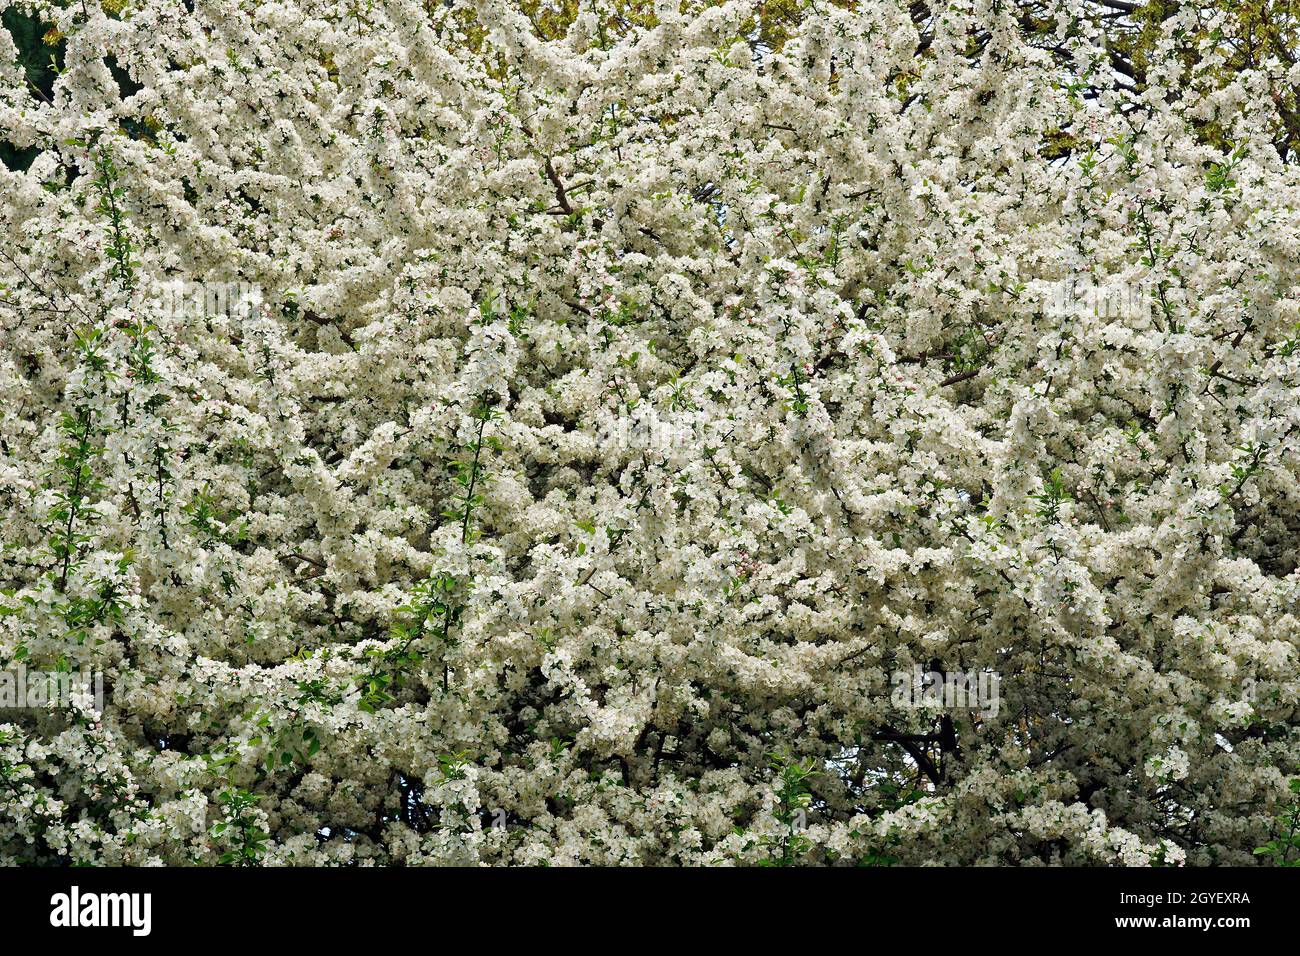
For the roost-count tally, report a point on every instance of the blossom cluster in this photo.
(619, 410)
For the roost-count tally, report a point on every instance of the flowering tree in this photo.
(617, 400)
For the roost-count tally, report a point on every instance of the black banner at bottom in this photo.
(149, 906)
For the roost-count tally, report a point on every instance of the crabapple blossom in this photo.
(617, 407)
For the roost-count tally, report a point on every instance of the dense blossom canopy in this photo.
(617, 402)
